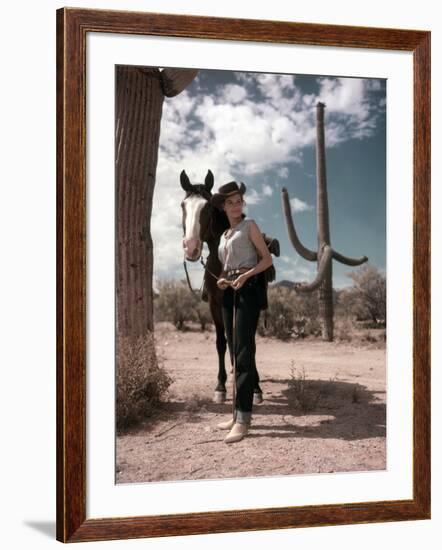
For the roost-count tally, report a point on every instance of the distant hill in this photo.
(284, 283)
(291, 284)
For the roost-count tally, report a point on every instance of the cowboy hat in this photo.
(225, 191)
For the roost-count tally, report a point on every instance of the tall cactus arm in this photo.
(174, 81)
(349, 261)
(302, 250)
(326, 258)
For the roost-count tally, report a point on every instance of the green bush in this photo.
(308, 395)
(176, 304)
(280, 313)
(302, 393)
(313, 327)
(141, 380)
(290, 315)
(202, 314)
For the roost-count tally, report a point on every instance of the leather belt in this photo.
(232, 274)
(238, 271)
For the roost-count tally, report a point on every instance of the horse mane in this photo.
(220, 222)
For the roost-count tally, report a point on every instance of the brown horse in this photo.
(203, 223)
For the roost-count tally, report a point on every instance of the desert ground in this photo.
(332, 419)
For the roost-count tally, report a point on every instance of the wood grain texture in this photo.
(230, 28)
(71, 279)
(422, 275)
(72, 27)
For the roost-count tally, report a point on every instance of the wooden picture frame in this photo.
(73, 24)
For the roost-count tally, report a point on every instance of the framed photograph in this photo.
(243, 275)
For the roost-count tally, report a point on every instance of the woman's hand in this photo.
(222, 283)
(239, 281)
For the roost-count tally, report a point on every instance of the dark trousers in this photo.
(247, 315)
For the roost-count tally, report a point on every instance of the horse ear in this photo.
(208, 182)
(185, 182)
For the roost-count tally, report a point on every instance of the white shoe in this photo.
(238, 432)
(228, 425)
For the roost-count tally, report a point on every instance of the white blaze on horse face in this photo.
(192, 242)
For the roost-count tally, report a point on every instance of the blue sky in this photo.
(259, 128)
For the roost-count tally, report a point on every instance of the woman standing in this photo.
(238, 252)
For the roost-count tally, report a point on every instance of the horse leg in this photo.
(220, 390)
(257, 391)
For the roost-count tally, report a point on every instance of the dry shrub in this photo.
(197, 403)
(141, 380)
(176, 304)
(280, 314)
(313, 327)
(302, 395)
(344, 329)
(290, 315)
(307, 395)
(351, 330)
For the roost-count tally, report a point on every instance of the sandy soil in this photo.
(341, 427)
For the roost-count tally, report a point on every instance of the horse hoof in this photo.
(220, 397)
(257, 398)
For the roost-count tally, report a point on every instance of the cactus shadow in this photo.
(350, 411)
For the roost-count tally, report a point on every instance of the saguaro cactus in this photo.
(140, 94)
(325, 253)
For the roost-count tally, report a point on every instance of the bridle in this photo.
(207, 234)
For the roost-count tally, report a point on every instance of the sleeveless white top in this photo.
(237, 250)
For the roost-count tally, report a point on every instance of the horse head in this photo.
(197, 212)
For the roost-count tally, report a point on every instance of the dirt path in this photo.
(342, 427)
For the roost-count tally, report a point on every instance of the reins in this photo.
(205, 269)
(188, 278)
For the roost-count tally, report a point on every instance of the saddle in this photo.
(265, 277)
(273, 248)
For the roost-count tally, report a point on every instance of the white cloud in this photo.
(253, 197)
(232, 93)
(274, 86)
(250, 142)
(258, 124)
(345, 95)
(350, 111)
(295, 269)
(246, 134)
(300, 206)
(267, 190)
(283, 172)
